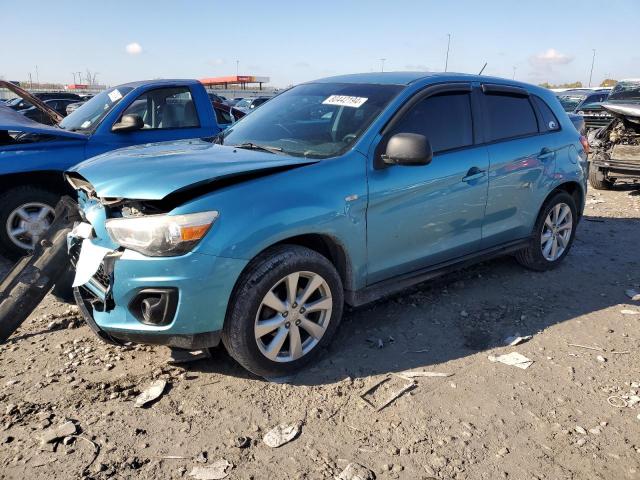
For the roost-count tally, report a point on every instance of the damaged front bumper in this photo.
(175, 301)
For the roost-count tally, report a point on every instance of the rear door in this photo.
(419, 216)
(522, 153)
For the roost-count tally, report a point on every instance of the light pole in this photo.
(37, 77)
(446, 61)
(74, 77)
(593, 60)
(514, 73)
(382, 64)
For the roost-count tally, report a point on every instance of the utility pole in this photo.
(80, 77)
(30, 81)
(446, 61)
(514, 73)
(593, 60)
(37, 77)
(382, 60)
(74, 77)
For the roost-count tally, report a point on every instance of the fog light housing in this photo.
(155, 306)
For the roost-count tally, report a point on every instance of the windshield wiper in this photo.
(262, 148)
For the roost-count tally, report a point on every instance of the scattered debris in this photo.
(178, 355)
(355, 471)
(216, 471)
(617, 401)
(514, 340)
(376, 342)
(580, 430)
(514, 359)
(52, 435)
(630, 312)
(633, 294)
(241, 442)
(283, 433)
(393, 397)
(601, 359)
(597, 349)
(152, 393)
(409, 374)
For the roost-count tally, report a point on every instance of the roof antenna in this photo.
(482, 69)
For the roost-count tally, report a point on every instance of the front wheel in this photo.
(553, 234)
(285, 308)
(26, 214)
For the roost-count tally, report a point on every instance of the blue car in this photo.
(33, 156)
(340, 190)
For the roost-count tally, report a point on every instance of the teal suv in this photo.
(340, 190)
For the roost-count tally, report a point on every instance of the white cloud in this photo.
(549, 59)
(216, 61)
(133, 48)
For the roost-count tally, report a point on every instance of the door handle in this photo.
(546, 154)
(473, 174)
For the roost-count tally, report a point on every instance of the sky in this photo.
(295, 41)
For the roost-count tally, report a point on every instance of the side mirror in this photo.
(128, 123)
(408, 149)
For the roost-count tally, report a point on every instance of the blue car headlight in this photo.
(161, 235)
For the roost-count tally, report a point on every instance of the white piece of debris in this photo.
(179, 355)
(281, 434)
(151, 393)
(216, 471)
(633, 294)
(630, 312)
(514, 359)
(355, 471)
(409, 374)
(516, 339)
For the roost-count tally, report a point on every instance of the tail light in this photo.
(585, 144)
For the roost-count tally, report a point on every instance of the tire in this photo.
(269, 272)
(533, 257)
(13, 199)
(62, 290)
(598, 180)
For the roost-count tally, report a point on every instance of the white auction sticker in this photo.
(115, 95)
(345, 101)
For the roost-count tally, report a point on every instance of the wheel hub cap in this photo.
(293, 316)
(556, 232)
(28, 223)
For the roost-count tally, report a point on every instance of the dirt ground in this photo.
(570, 415)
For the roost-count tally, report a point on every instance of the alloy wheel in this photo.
(556, 232)
(28, 223)
(293, 316)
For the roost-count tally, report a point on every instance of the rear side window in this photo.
(509, 116)
(549, 120)
(444, 119)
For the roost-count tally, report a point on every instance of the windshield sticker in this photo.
(115, 95)
(345, 101)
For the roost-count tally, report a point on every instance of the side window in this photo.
(509, 116)
(444, 119)
(165, 108)
(222, 117)
(549, 120)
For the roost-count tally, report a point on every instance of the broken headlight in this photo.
(161, 235)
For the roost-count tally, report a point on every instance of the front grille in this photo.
(102, 277)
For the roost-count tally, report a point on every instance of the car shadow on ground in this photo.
(470, 311)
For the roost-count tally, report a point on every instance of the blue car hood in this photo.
(15, 121)
(153, 171)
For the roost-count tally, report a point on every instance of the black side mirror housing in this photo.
(408, 149)
(128, 123)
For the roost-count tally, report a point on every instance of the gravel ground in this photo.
(570, 415)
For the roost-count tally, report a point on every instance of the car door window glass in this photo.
(549, 120)
(165, 108)
(444, 119)
(509, 116)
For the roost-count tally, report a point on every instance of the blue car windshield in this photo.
(89, 115)
(318, 120)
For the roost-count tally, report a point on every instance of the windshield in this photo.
(626, 91)
(569, 103)
(318, 120)
(88, 116)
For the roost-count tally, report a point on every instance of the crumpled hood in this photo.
(630, 110)
(15, 121)
(153, 171)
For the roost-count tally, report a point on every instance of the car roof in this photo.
(160, 82)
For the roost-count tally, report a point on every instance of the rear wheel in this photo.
(553, 234)
(598, 180)
(285, 309)
(26, 214)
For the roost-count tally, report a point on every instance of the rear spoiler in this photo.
(50, 112)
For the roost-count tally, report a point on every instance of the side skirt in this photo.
(401, 282)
